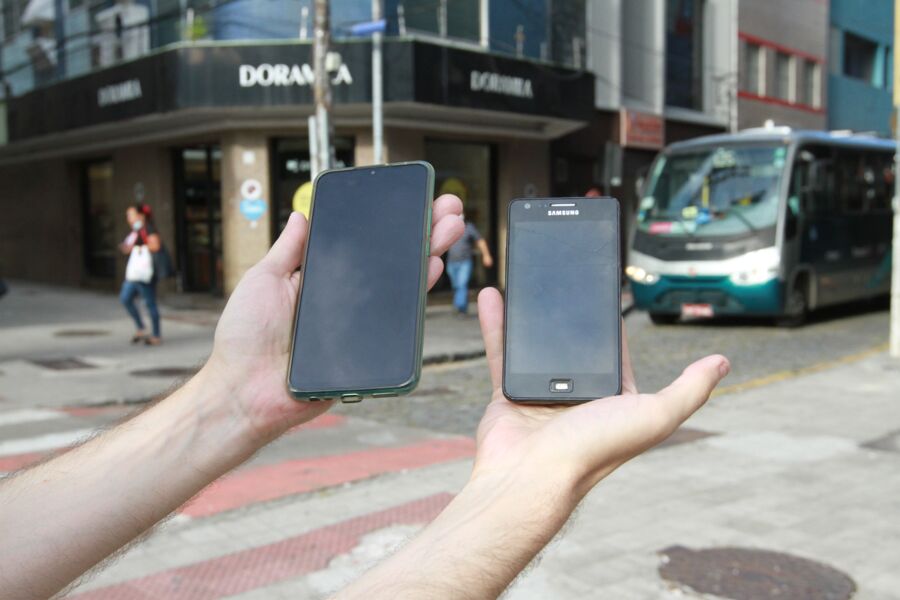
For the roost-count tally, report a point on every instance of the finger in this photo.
(691, 390)
(445, 233)
(446, 204)
(435, 268)
(286, 254)
(490, 314)
(629, 385)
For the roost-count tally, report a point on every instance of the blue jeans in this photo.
(459, 272)
(130, 289)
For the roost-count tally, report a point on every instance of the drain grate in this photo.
(81, 332)
(62, 364)
(165, 372)
(747, 574)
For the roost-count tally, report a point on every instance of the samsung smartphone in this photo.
(361, 308)
(563, 309)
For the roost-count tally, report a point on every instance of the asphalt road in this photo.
(756, 349)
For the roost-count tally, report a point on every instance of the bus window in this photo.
(850, 169)
(880, 181)
(812, 181)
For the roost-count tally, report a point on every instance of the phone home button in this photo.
(561, 386)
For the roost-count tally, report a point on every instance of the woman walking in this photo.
(140, 276)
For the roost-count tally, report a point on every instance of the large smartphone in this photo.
(562, 342)
(361, 307)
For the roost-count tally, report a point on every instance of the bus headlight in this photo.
(757, 267)
(639, 275)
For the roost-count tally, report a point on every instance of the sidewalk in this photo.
(82, 328)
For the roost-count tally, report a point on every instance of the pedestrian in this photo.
(459, 264)
(141, 276)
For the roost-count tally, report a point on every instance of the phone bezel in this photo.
(405, 387)
(607, 386)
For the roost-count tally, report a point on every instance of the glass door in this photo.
(198, 194)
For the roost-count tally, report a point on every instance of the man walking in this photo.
(459, 264)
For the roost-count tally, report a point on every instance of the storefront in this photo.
(214, 138)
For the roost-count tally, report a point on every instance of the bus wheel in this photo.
(663, 318)
(796, 307)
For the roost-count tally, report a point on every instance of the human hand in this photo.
(487, 261)
(253, 337)
(571, 448)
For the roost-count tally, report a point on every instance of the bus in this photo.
(766, 222)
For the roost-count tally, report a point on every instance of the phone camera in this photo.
(528, 205)
(372, 172)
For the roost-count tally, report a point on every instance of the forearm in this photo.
(477, 545)
(61, 518)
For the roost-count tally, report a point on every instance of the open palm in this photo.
(253, 337)
(589, 440)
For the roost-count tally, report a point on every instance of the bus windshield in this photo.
(716, 191)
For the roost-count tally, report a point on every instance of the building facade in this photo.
(782, 63)
(191, 107)
(860, 77)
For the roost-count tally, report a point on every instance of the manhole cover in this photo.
(745, 574)
(62, 364)
(81, 332)
(165, 372)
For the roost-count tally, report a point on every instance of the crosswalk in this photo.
(224, 542)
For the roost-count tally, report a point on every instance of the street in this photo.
(796, 454)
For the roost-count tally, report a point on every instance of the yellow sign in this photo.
(455, 186)
(303, 199)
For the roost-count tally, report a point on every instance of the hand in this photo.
(253, 338)
(487, 261)
(574, 447)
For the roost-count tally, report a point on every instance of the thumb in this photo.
(286, 254)
(692, 389)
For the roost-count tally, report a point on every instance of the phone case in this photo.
(548, 400)
(357, 394)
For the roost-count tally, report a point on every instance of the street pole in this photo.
(321, 45)
(378, 89)
(895, 258)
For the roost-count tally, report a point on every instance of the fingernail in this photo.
(724, 368)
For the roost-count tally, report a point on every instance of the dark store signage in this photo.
(117, 93)
(234, 76)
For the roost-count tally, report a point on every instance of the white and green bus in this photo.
(767, 222)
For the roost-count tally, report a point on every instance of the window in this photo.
(12, 16)
(859, 57)
(753, 69)
(783, 76)
(459, 19)
(99, 219)
(850, 185)
(684, 53)
(809, 86)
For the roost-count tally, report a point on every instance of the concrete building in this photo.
(782, 57)
(860, 77)
(188, 108)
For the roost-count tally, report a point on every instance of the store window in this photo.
(753, 69)
(859, 57)
(291, 169)
(783, 76)
(99, 219)
(466, 170)
(684, 53)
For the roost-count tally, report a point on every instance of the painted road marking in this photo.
(271, 482)
(259, 567)
(792, 373)
(19, 461)
(28, 415)
(48, 441)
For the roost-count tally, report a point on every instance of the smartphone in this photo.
(361, 307)
(562, 342)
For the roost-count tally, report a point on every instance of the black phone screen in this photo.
(563, 307)
(359, 318)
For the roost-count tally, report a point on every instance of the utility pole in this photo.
(321, 45)
(895, 258)
(378, 88)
